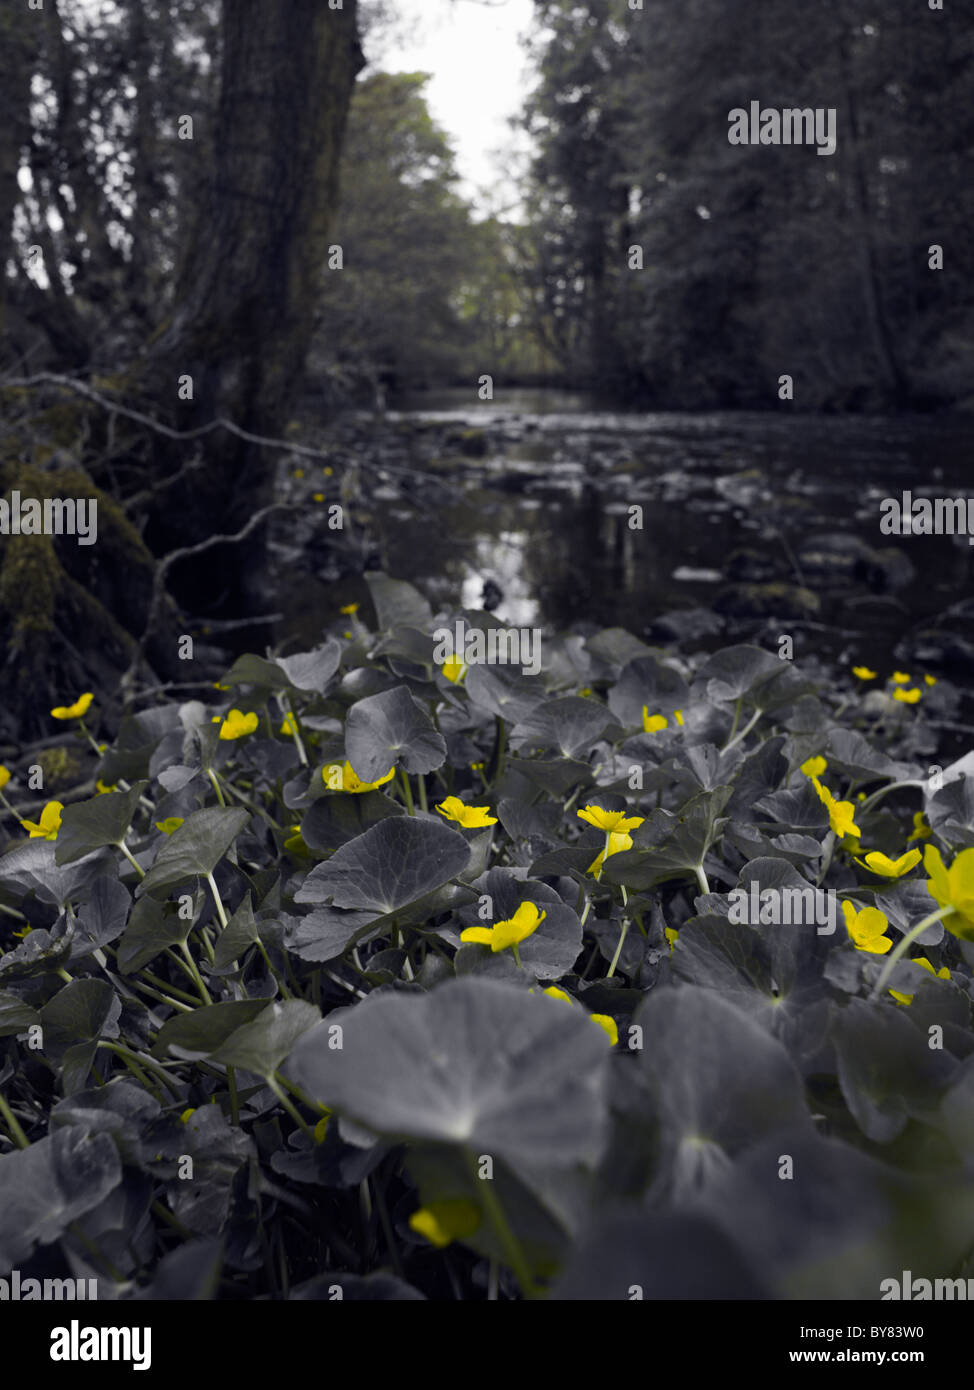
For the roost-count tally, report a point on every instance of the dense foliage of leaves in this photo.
(337, 987)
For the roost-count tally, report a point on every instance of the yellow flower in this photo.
(170, 824)
(814, 767)
(921, 830)
(585, 691)
(470, 817)
(609, 1024)
(555, 993)
(186, 1114)
(48, 825)
(76, 711)
(319, 496)
(441, 1223)
(4, 776)
(609, 820)
(343, 778)
(321, 1129)
(615, 842)
(671, 934)
(900, 678)
(953, 888)
(653, 723)
(454, 670)
(23, 932)
(840, 812)
(864, 673)
(930, 680)
(892, 868)
(511, 932)
(101, 788)
(237, 724)
(328, 472)
(348, 609)
(299, 473)
(943, 974)
(678, 716)
(866, 929)
(907, 697)
(290, 725)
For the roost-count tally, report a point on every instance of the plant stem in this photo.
(509, 1242)
(904, 944)
(701, 878)
(131, 858)
(220, 910)
(194, 972)
(13, 1124)
(216, 786)
(407, 791)
(290, 1107)
(618, 951)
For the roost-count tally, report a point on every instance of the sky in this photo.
(480, 74)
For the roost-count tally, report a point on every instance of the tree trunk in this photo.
(246, 294)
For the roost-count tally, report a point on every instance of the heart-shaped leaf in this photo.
(392, 729)
(476, 1063)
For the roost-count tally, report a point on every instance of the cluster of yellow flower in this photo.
(899, 679)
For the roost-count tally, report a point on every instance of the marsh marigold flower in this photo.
(48, 825)
(4, 776)
(441, 1223)
(892, 868)
(953, 888)
(867, 928)
(470, 817)
(814, 767)
(237, 724)
(342, 777)
(840, 812)
(511, 932)
(907, 697)
(653, 723)
(863, 673)
(921, 830)
(76, 711)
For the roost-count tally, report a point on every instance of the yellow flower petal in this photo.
(443, 1222)
(237, 724)
(470, 817)
(609, 1024)
(4, 776)
(653, 723)
(76, 711)
(892, 868)
(814, 767)
(864, 673)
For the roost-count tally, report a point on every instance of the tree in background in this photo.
(177, 165)
(757, 261)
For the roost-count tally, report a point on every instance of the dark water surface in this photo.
(533, 492)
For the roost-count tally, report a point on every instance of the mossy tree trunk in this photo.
(246, 293)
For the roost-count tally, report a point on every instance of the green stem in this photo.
(220, 910)
(509, 1242)
(132, 860)
(13, 1124)
(267, 961)
(290, 1107)
(12, 912)
(423, 803)
(827, 849)
(884, 791)
(904, 944)
(299, 742)
(744, 732)
(216, 786)
(195, 974)
(618, 950)
(701, 878)
(407, 791)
